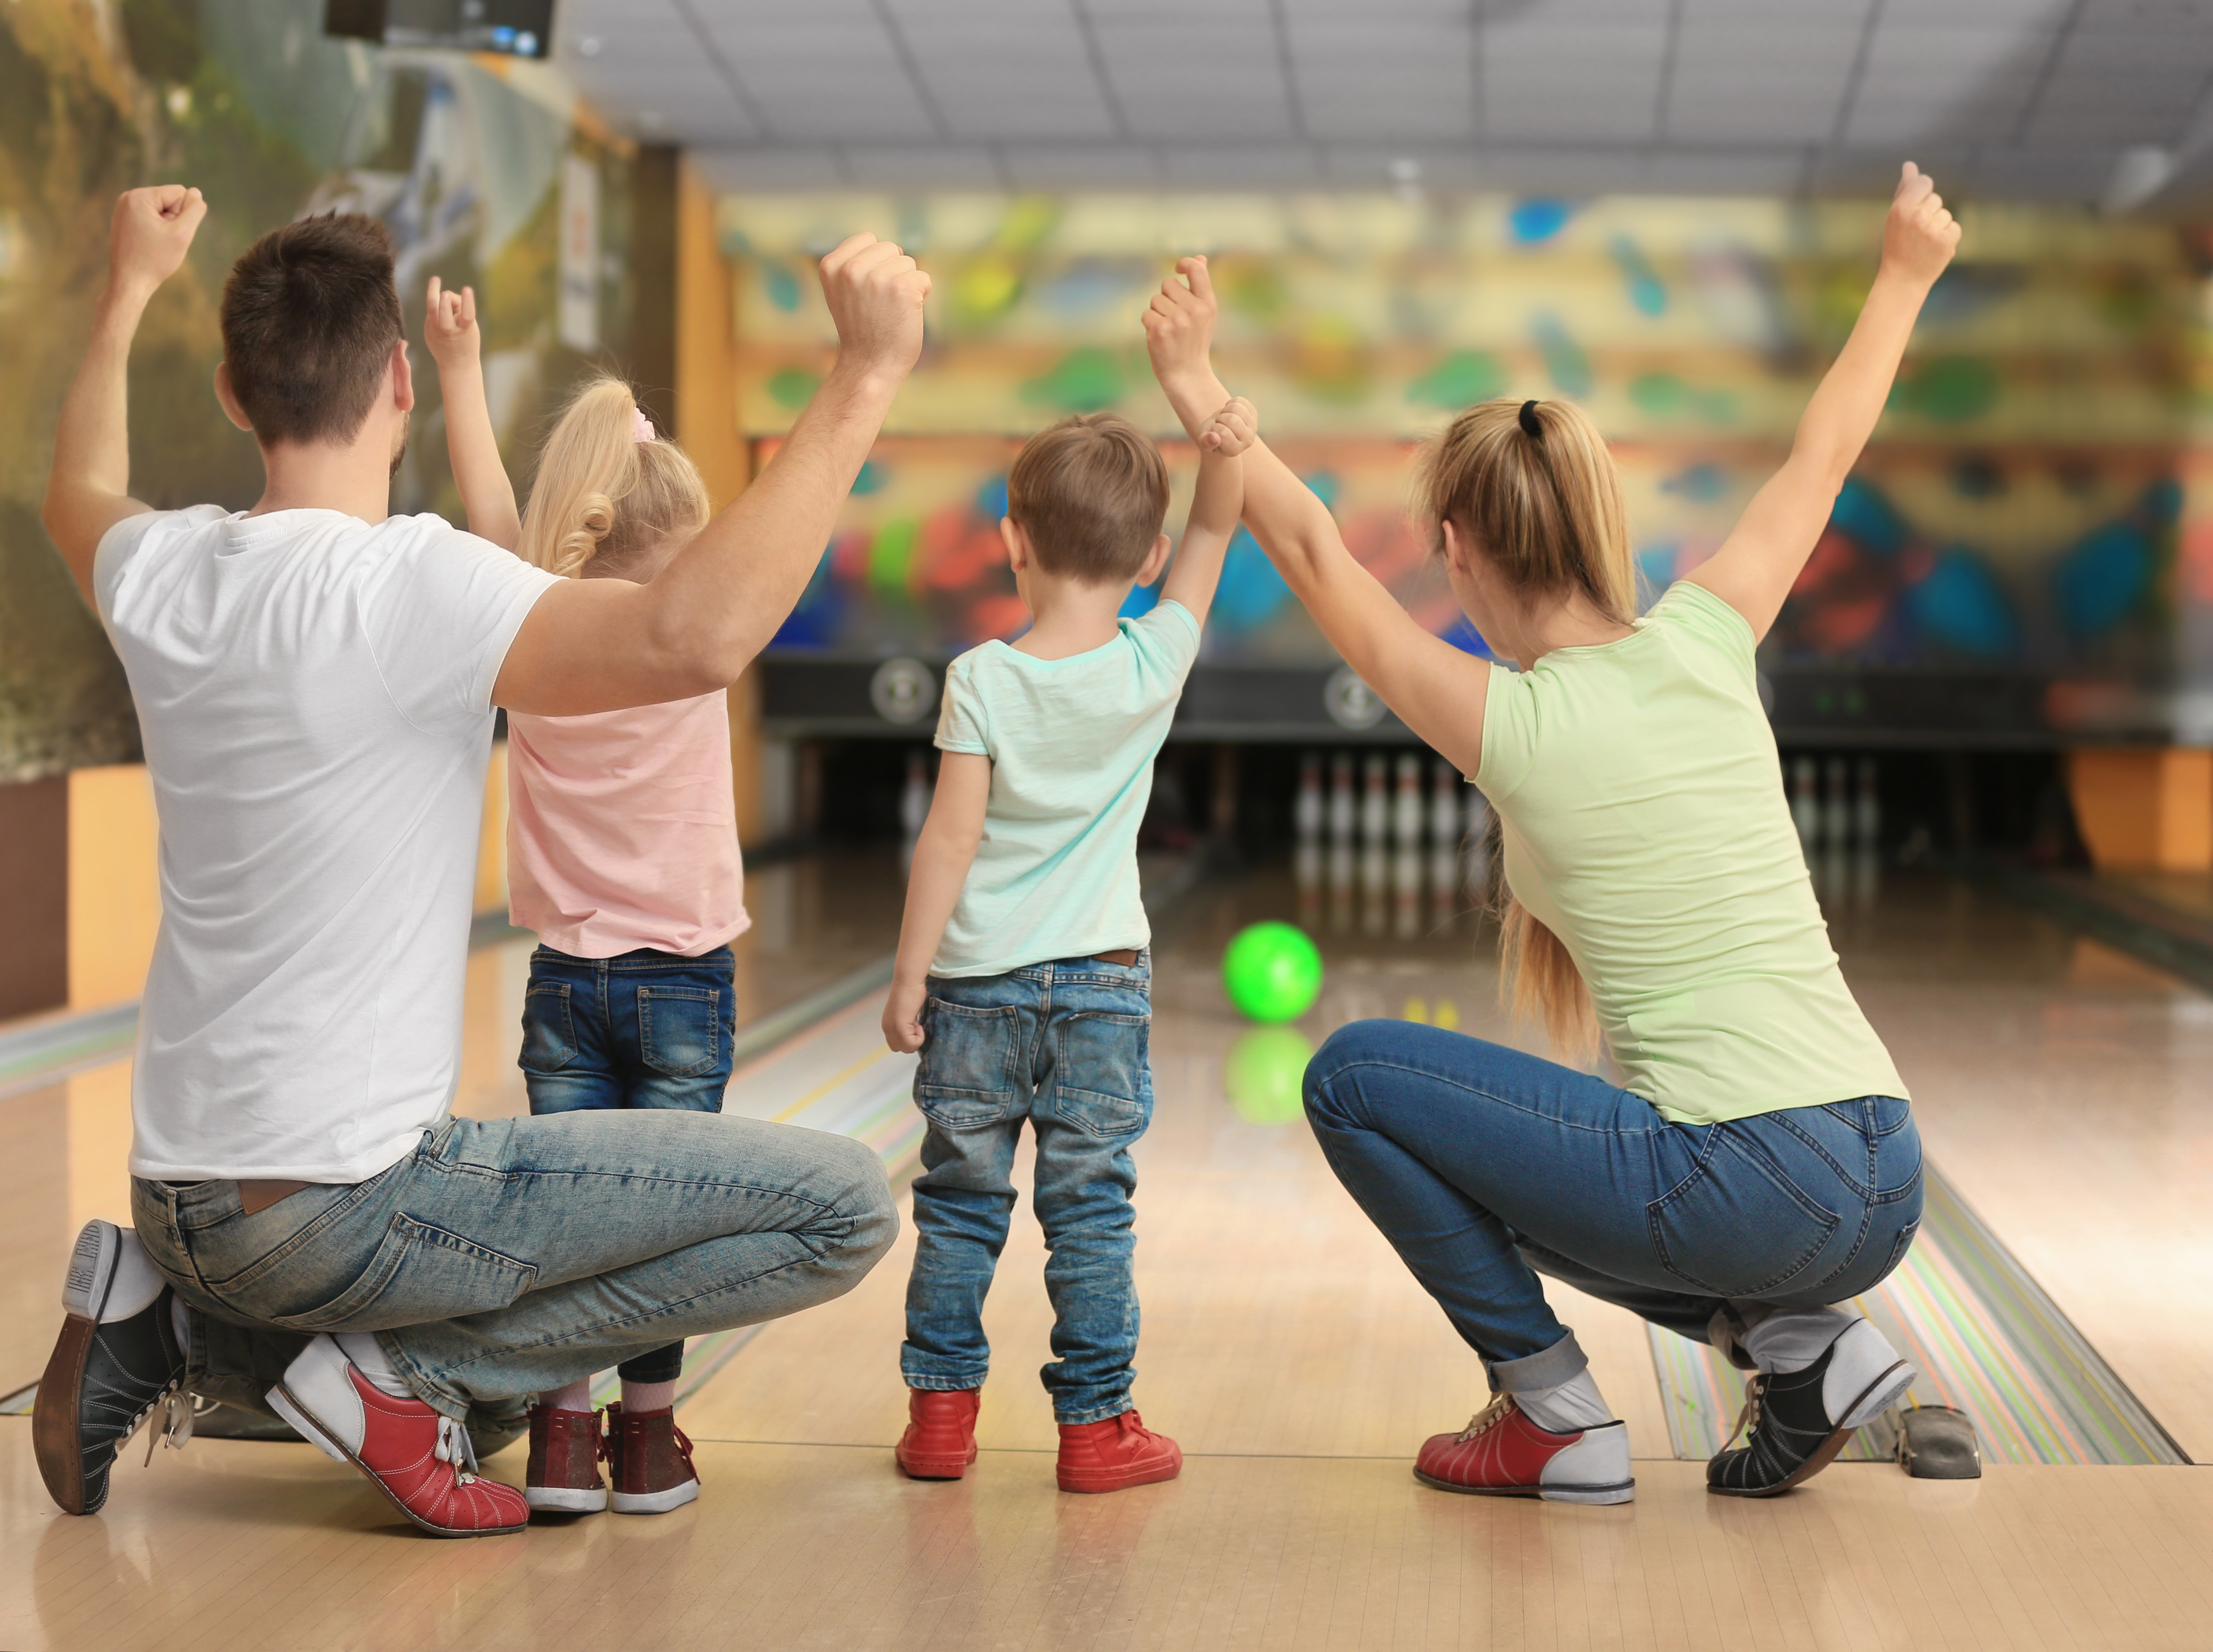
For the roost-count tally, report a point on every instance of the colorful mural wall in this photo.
(477, 163)
(2019, 513)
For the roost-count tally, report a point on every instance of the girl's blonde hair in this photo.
(1531, 488)
(604, 500)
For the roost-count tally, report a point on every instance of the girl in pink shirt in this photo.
(622, 855)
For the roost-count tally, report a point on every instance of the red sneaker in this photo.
(940, 1441)
(565, 1449)
(1118, 1453)
(651, 1460)
(420, 1459)
(1502, 1453)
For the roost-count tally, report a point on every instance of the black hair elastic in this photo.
(1529, 425)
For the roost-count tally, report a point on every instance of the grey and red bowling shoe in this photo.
(1502, 1453)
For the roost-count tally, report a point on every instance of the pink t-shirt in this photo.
(621, 830)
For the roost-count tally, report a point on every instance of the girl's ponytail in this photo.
(603, 497)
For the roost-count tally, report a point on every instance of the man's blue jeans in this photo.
(1485, 1168)
(512, 1256)
(643, 1029)
(1063, 1045)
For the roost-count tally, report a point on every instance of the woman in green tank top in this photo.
(1759, 1162)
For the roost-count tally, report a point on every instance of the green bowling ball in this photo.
(1271, 972)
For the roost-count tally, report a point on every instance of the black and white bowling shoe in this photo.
(1795, 1423)
(117, 1360)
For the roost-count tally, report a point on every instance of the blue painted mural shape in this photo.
(1868, 518)
(1564, 360)
(1250, 589)
(2101, 579)
(1960, 604)
(1646, 290)
(1538, 219)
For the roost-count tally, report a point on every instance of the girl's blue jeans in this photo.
(1062, 1047)
(1485, 1168)
(643, 1029)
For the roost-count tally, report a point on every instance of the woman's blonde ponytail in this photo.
(603, 498)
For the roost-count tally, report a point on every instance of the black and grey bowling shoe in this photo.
(105, 1375)
(1795, 1423)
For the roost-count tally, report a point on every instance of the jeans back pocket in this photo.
(1102, 1072)
(967, 1077)
(419, 1273)
(680, 1029)
(1736, 1226)
(549, 1029)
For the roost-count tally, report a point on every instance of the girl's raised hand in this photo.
(1919, 236)
(1232, 429)
(449, 324)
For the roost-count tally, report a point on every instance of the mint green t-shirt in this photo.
(1642, 803)
(1071, 743)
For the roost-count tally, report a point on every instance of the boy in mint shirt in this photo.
(1023, 974)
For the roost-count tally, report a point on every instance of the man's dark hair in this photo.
(309, 316)
(1091, 492)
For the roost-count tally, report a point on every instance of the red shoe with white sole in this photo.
(649, 1460)
(419, 1457)
(1502, 1453)
(940, 1441)
(1112, 1455)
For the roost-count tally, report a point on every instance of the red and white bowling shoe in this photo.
(1502, 1453)
(419, 1457)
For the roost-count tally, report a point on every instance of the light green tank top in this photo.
(1642, 805)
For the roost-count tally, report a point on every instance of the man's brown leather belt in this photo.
(257, 1195)
(1127, 957)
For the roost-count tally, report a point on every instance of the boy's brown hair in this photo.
(309, 317)
(1091, 493)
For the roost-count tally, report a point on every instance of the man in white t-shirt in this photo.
(316, 681)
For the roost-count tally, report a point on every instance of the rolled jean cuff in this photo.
(1559, 1363)
(943, 1384)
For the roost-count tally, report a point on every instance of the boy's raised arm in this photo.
(449, 330)
(88, 486)
(1759, 561)
(1215, 508)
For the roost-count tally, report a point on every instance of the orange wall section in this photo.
(2144, 809)
(114, 883)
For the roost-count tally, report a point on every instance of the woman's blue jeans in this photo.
(1485, 1168)
(1062, 1046)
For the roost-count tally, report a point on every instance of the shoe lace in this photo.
(455, 1447)
(178, 1410)
(1748, 1420)
(1488, 1418)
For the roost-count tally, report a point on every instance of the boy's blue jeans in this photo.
(1063, 1045)
(1484, 1168)
(641, 1029)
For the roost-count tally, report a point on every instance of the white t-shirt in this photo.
(315, 697)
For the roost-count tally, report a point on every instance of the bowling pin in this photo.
(1836, 809)
(1341, 809)
(1307, 815)
(1374, 801)
(1475, 847)
(1306, 868)
(1867, 810)
(913, 805)
(1805, 805)
(1374, 888)
(1444, 806)
(1406, 819)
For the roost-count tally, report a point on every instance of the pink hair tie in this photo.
(641, 429)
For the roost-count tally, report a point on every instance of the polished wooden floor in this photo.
(1287, 1350)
